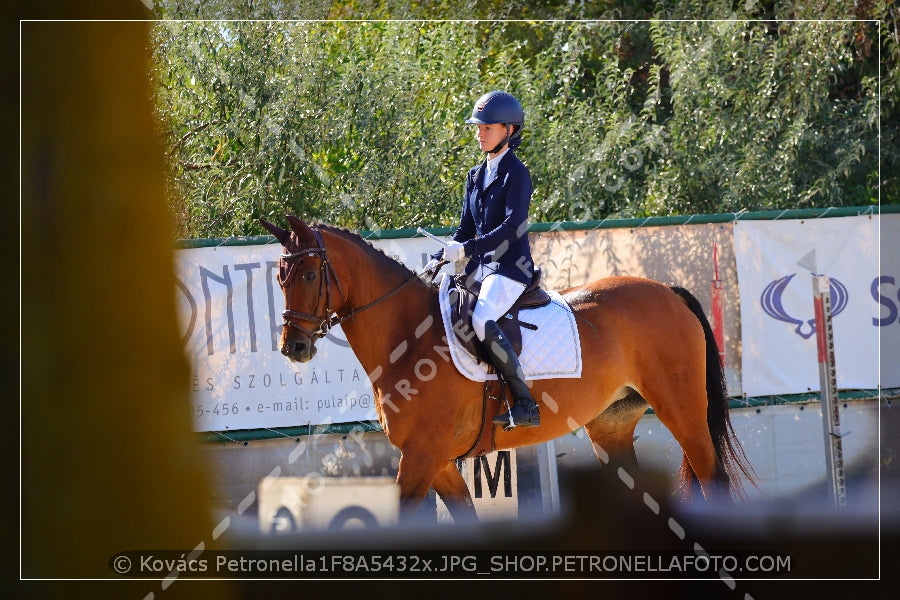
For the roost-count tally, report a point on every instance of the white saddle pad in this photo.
(553, 351)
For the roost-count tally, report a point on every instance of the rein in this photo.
(325, 323)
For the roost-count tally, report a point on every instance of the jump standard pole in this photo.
(718, 309)
(831, 419)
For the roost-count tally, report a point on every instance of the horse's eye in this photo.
(309, 276)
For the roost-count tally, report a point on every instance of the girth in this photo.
(464, 294)
(493, 399)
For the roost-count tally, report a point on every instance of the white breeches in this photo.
(498, 294)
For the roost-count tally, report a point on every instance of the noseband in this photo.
(327, 275)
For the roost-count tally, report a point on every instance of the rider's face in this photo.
(490, 135)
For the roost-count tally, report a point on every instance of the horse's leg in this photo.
(699, 459)
(612, 431)
(415, 476)
(452, 488)
(686, 420)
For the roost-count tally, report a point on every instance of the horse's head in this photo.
(305, 278)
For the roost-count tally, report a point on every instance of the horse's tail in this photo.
(730, 457)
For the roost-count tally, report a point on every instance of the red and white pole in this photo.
(718, 308)
(831, 422)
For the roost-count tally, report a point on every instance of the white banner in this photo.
(777, 317)
(230, 311)
(886, 292)
(229, 305)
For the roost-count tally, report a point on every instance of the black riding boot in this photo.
(524, 411)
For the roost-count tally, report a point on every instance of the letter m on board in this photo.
(502, 466)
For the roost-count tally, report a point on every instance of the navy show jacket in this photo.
(494, 222)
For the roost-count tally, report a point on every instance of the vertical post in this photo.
(831, 424)
(547, 468)
(718, 310)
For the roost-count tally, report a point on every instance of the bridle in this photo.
(326, 273)
(327, 278)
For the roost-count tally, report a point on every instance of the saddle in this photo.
(464, 294)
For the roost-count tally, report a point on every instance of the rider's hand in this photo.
(454, 251)
(431, 269)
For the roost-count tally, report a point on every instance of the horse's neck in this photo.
(384, 326)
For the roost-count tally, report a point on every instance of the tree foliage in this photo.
(629, 112)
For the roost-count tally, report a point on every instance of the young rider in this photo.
(492, 234)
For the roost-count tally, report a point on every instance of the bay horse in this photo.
(643, 344)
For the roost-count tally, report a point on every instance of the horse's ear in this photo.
(280, 234)
(304, 233)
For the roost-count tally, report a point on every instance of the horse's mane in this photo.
(376, 253)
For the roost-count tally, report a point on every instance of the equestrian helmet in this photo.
(500, 107)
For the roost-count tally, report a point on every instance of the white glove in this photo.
(454, 251)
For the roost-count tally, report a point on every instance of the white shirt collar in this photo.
(493, 162)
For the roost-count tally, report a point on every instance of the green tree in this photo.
(761, 129)
(360, 123)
